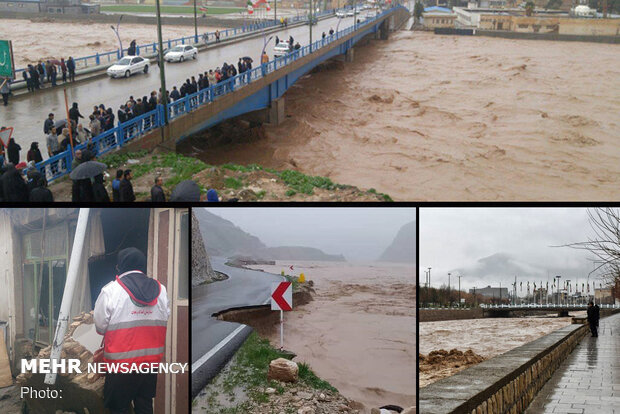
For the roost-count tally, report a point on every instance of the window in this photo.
(44, 281)
(523, 26)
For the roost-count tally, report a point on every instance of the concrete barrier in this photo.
(505, 384)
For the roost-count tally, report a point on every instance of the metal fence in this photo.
(60, 165)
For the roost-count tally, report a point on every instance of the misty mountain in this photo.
(223, 238)
(403, 247)
(500, 267)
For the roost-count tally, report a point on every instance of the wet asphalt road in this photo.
(27, 115)
(242, 288)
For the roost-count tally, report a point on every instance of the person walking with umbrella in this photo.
(82, 175)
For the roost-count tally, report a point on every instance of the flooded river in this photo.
(430, 117)
(359, 332)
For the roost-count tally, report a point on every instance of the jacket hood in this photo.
(143, 290)
(131, 259)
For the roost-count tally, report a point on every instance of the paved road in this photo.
(214, 342)
(589, 379)
(27, 115)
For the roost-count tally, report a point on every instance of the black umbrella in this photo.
(87, 169)
(186, 190)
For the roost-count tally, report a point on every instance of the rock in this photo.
(322, 397)
(305, 410)
(375, 411)
(410, 410)
(305, 395)
(343, 408)
(270, 391)
(283, 370)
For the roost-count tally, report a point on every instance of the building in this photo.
(492, 292)
(543, 21)
(604, 296)
(438, 17)
(34, 259)
(49, 6)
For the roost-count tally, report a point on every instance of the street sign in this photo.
(282, 296)
(7, 67)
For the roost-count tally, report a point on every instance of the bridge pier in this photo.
(349, 55)
(273, 115)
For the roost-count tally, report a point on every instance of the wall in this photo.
(439, 20)
(590, 27)
(506, 383)
(432, 315)
(19, 7)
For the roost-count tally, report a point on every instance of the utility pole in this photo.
(557, 291)
(162, 73)
(429, 277)
(475, 298)
(567, 287)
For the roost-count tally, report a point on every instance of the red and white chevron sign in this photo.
(282, 296)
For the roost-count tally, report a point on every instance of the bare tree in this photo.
(605, 243)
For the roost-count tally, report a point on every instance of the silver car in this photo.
(127, 66)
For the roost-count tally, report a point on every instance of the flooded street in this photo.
(359, 332)
(486, 337)
(429, 117)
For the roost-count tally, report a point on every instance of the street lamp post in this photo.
(162, 73)
(449, 301)
(310, 24)
(195, 23)
(459, 276)
(567, 287)
(120, 42)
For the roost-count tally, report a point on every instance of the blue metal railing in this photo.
(60, 165)
(103, 58)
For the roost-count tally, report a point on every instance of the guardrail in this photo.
(59, 165)
(551, 305)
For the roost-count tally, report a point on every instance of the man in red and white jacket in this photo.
(132, 313)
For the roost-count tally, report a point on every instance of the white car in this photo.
(340, 14)
(128, 66)
(350, 13)
(282, 49)
(181, 52)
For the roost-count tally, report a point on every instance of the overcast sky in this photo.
(489, 245)
(360, 234)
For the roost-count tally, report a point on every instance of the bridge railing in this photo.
(60, 165)
(110, 57)
(550, 305)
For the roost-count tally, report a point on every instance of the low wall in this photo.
(127, 18)
(432, 315)
(548, 36)
(505, 384)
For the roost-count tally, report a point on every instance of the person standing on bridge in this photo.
(593, 318)
(132, 314)
(71, 68)
(63, 68)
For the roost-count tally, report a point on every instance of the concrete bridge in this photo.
(499, 311)
(257, 93)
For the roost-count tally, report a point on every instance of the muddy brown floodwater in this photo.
(41, 39)
(359, 332)
(486, 337)
(431, 117)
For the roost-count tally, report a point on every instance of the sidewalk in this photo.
(588, 381)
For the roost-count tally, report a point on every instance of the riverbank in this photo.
(447, 347)
(232, 182)
(359, 331)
